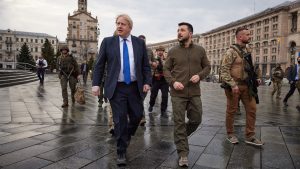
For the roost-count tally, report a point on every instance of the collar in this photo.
(128, 39)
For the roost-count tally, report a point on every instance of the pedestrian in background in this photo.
(41, 65)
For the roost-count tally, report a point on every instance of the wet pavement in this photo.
(35, 132)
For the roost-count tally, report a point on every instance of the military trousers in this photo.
(163, 86)
(192, 106)
(64, 87)
(277, 88)
(232, 107)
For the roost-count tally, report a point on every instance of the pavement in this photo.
(35, 132)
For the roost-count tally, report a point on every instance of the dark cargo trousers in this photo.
(64, 87)
(193, 107)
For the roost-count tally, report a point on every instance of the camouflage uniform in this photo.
(69, 71)
(277, 76)
(233, 73)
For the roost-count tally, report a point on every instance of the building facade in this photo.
(82, 37)
(12, 41)
(275, 37)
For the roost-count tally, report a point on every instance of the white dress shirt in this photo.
(131, 59)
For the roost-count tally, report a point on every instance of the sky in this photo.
(156, 19)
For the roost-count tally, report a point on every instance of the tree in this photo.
(25, 55)
(48, 54)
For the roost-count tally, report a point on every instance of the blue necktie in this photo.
(126, 65)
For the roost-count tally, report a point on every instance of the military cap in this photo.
(160, 48)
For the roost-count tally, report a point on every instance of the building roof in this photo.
(282, 6)
(21, 33)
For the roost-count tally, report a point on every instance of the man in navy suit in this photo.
(294, 80)
(127, 80)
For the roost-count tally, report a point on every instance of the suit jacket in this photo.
(292, 73)
(109, 54)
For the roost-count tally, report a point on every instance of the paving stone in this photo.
(95, 153)
(213, 161)
(18, 136)
(276, 156)
(69, 163)
(200, 140)
(45, 137)
(32, 163)
(23, 154)
(17, 145)
(25, 128)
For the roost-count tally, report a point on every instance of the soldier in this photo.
(68, 72)
(185, 66)
(240, 82)
(159, 82)
(277, 76)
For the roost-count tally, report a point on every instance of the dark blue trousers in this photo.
(40, 74)
(127, 107)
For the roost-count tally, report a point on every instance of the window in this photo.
(17, 49)
(275, 27)
(251, 25)
(0, 46)
(266, 36)
(36, 49)
(265, 43)
(266, 29)
(258, 23)
(257, 51)
(258, 31)
(274, 58)
(257, 37)
(294, 22)
(266, 21)
(17, 39)
(275, 19)
(274, 34)
(42, 40)
(274, 42)
(22, 39)
(0, 38)
(257, 45)
(251, 32)
(26, 39)
(52, 41)
(265, 58)
(31, 40)
(36, 41)
(257, 59)
(274, 50)
(265, 51)
(31, 49)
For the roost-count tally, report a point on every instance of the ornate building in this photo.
(82, 37)
(275, 37)
(12, 41)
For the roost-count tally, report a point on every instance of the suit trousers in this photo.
(127, 107)
(193, 107)
(293, 87)
(232, 107)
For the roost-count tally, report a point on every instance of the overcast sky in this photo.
(156, 19)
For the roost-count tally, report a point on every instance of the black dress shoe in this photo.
(150, 108)
(121, 160)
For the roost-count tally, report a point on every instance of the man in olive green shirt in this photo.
(186, 65)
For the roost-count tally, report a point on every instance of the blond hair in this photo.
(127, 18)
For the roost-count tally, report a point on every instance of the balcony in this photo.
(8, 51)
